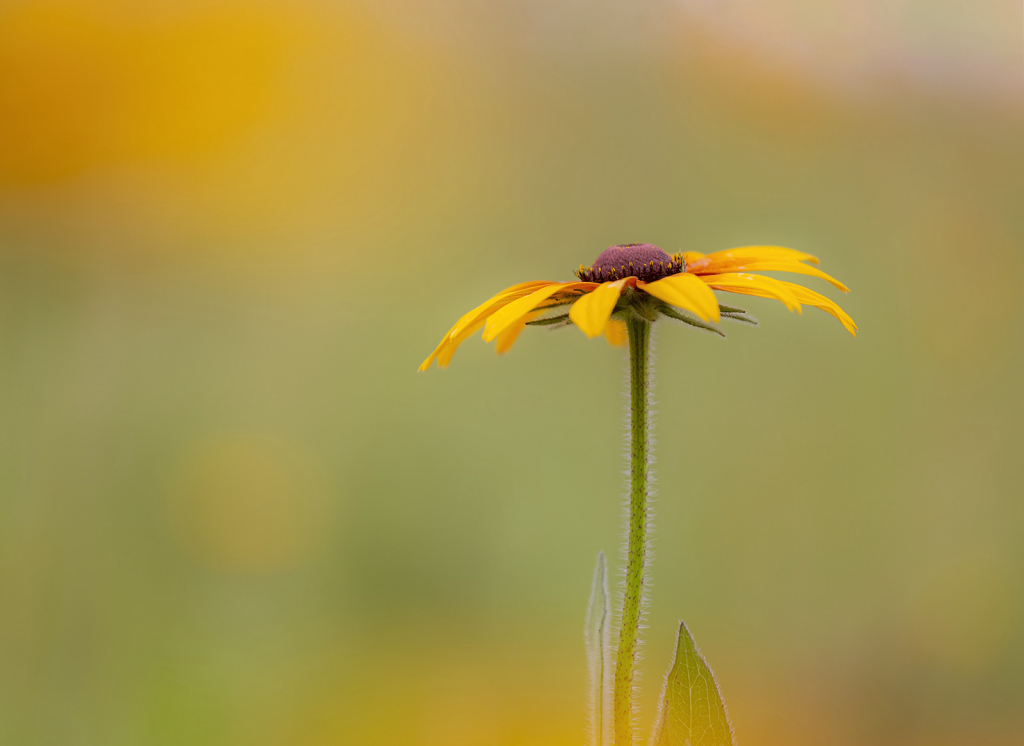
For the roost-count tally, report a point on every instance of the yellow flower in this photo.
(642, 279)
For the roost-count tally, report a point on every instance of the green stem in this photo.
(639, 382)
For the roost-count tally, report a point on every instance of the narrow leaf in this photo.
(692, 711)
(597, 638)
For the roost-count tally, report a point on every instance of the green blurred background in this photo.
(232, 513)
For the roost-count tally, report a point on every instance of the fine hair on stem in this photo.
(636, 549)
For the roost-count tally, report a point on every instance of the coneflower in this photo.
(627, 289)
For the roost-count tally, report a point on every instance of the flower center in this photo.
(643, 261)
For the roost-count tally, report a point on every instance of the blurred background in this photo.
(232, 513)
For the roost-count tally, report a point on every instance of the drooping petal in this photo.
(811, 298)
(459, 331)
(591, 312)
(445, 355)
(615, 332)
(753, 264)
(759, 285)
(508, 337)
(685, 291)
(502, 299)
(487, 307)
(511, 313)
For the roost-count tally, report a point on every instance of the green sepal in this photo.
(564, 318)
(692, 711)
(687, 318)
(737, 314)
(730, 309)
(743, 318)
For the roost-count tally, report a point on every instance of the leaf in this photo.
(692, 711)
(597, 638)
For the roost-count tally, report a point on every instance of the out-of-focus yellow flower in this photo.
(642, 279)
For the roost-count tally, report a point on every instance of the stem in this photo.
(639, 353)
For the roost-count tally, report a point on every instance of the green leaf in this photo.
(692, 711)
(597, 637)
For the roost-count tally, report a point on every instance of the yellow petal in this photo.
(479, 313)
(490, 305)
(430, 358)
(684, 291)
(591, 312)
(568, 294)
(752, 264)
(508, 337)
(615, 332)
(445, 355)
(759, 285)
(764, 252)
(500, 320)
(691, 256)
(817, 300)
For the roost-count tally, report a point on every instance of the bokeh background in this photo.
(232, 513)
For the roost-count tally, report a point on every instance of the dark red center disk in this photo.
(644, 261)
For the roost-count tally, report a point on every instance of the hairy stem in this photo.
(636, 545)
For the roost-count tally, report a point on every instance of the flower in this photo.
(643, 279)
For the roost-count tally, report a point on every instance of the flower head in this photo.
(642, 279)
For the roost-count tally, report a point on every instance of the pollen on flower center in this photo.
(644, 261)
